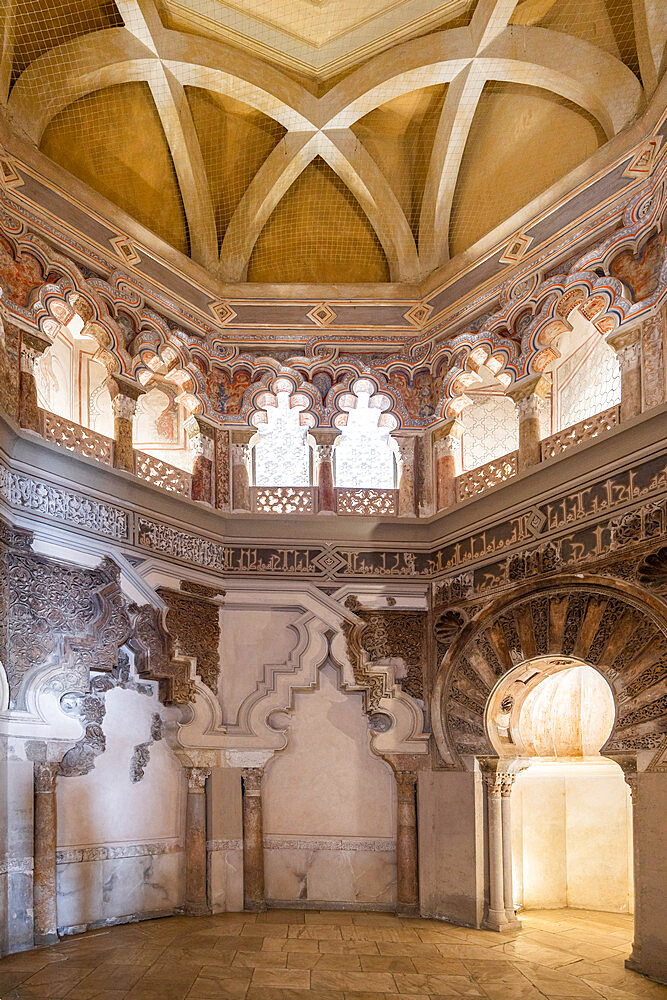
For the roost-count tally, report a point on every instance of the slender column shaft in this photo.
(44, 875)
(326, 496)
(406, 844)
(506, 822)
(123, 450)
(446, 452)
(253, 840)
(239, 460)
(196, 902)
(529, 398)
(635, 959)
(628, 347)
(407, 503)
(31, 350)
(202, 446)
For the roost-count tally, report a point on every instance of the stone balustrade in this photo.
(585, 430)
(283, 499)
(470, 484)
(74, 437)
(375, 503)
(161, 474)
(308, 499)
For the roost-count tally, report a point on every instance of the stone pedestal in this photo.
(529, 398)
(31, 350)
(407, 885)
(202, 446)
(44, 873)
(447, 455)
(196, 902)
(407, 500)
(326, 494)
(628, 347)
(240, 456)
(253, 840)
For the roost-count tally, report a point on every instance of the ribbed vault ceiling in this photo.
(322, 141)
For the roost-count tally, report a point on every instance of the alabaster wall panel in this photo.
(451, 846)
(328, 786)
(346, 875)
(225, 839)
(251, 639)
(116, 889)
(16, 849)
(651, 916)
(105, 806)
(572, 838)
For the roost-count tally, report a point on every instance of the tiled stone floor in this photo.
(296, 955)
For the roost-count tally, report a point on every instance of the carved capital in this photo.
(447, 439)
(123, 406)
(506, 782)
(529, 407)
(197, 778)
(252, 780)
(202, 446)
(325, 453)
(29, 359)
(45, 776)
(628, 347)
(406, 782)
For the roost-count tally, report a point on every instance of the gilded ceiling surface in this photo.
(322, 141)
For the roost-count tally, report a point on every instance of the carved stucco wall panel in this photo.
(617, 627)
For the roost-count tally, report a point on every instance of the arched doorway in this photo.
(571, 812)
(615, 626)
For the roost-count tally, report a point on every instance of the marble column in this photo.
(44, 873)
(629, 768)
(124, 395)
(506, 782)
(240, 459)
(406, 844)
(628, 347)
(31, 350)
(529, 398)
(196, 903)
(447, 456)
(496, 919)
(221, 469)
(202, 446)
(407, 501)
(253, 840)
(326, 494)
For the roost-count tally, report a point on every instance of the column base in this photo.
(407, 910)
(46, 940)
(496, 921)
(254, 907)
(196, 910)
(513, 920)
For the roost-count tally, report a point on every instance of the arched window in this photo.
(365, 454)
(490, 429)
(281, 455)
(589, 382)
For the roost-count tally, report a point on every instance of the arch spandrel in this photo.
(617, 628)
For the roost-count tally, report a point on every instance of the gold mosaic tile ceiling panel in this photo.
(317, 141)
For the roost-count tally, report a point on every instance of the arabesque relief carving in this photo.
(617, 631)
(193, 624)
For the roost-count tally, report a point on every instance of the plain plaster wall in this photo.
(329, 806)
(572, 837)
(120, 843)
(251, 639)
